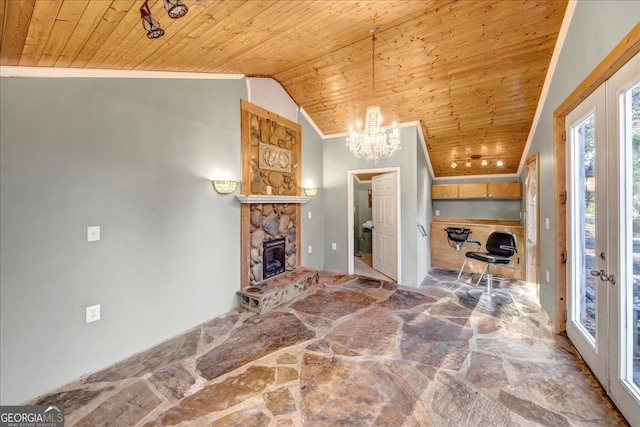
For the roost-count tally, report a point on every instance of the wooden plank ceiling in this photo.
(471, 72)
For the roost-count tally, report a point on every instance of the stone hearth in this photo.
(273, 292)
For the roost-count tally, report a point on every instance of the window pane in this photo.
(633, 102)
(586, 222)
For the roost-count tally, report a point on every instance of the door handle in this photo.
(603, 276)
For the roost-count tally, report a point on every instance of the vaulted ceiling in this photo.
(470, 72)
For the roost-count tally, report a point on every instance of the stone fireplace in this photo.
(270, 199)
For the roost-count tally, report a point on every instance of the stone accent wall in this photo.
(281, 175)
(270, 222)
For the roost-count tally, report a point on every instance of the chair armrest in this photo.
(509, 248)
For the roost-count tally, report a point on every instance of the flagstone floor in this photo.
(354, 351)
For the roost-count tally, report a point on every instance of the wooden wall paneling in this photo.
(15, 27)
(620, 55)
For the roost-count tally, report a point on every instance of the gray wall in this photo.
(136, 157)
(337, 161)
(312, 228)
(478, 208)
(596, 28)
(423, 214)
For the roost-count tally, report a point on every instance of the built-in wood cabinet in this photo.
(477, 190)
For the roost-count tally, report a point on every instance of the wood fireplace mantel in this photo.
(261, 198)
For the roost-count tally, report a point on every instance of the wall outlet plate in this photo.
(310, 249)
(334, 246)
(92, 313)
(93, 233)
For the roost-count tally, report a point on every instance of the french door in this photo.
(603, 235)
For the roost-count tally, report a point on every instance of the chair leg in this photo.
(461, 269)
(486, 267)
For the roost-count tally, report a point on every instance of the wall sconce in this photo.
(224, 187)
(310, 192)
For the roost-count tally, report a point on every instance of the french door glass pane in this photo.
(633, 101)
(586, 222)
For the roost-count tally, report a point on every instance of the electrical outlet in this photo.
(92, 313)
(437, 212)
(546, 223)
(548, 281)
(309, 214)
(93, 233)
(334, 246)
(310, 249)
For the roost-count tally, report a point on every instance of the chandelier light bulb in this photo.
(499, 163)
(484, 163)
(468, 164)
(454, 165)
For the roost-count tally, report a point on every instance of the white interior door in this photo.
(385, 224)
(603, 164)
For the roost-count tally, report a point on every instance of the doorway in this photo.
(532, 223)
(383, 242)
(603, 184)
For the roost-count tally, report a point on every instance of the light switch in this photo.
(546, 223)
(309, 214)
(93, 233)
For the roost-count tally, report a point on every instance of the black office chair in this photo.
(501, 250)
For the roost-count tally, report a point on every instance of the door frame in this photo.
(351, 174)
(620, 55)
(534, 158)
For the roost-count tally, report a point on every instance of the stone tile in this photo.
(566, 388)
(486, 371)
(333, 304)
(529, 325)
(71, 400)
(523, 348)
(287, 359)
(218, 327)
(280, 402)
(448, 308)
(218, 396)
(403, 300)
(532, 412)
(245, 418)
(434, 342)
(358, 335)
(173, 381)
(503, 312)
(285, 423)
(460, 405)
(320, 346)
(364, 283)
(343, 393)
(286, 374)
(162, 355)
(126, 408)
(256, 338)
(487, 325)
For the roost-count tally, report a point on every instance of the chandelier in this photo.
(372, 143)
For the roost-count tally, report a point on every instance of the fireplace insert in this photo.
(273, 257)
